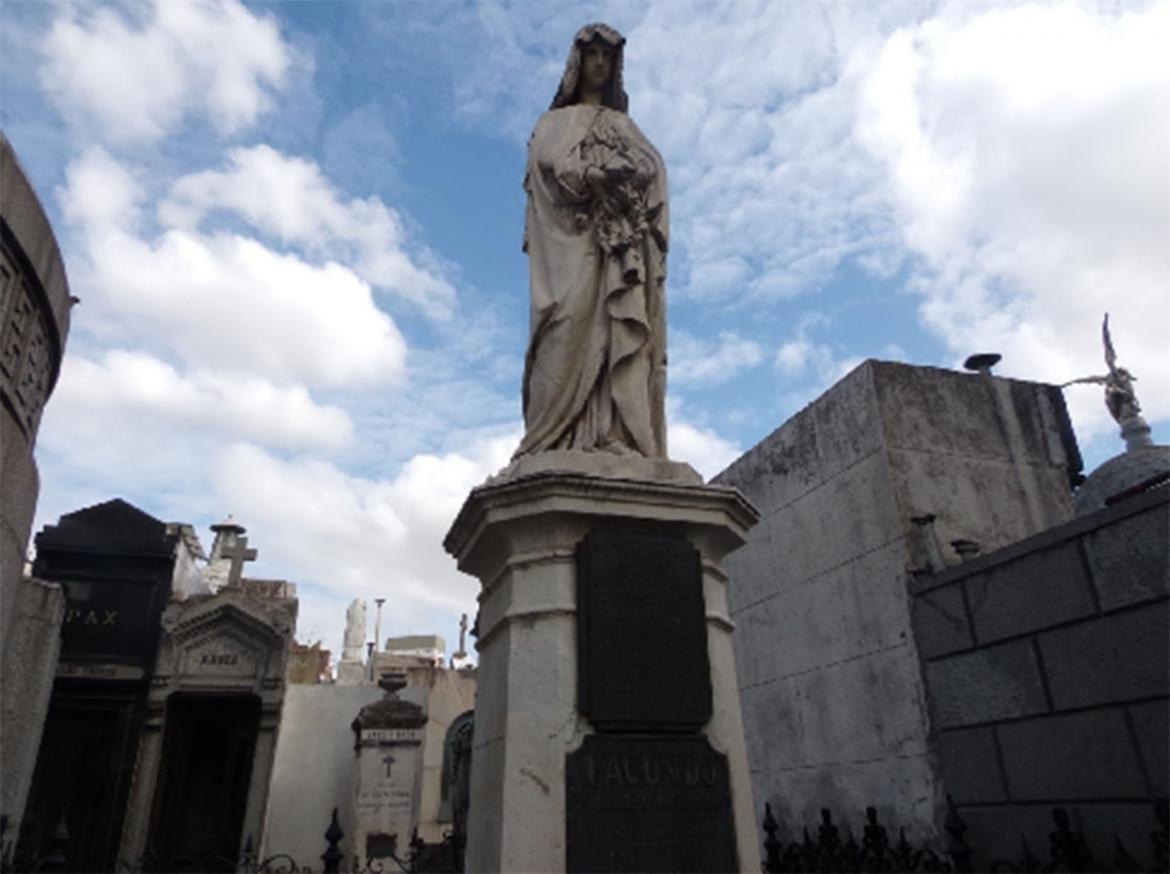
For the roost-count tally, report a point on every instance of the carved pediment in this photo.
(222, 654)
(226, 640)
(271, 621)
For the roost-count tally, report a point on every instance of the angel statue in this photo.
(595, 231)
(1119, 395)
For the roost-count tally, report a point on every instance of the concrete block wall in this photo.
(833, 704)
(1047, 668)
(835, 710)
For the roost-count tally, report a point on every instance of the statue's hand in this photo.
(609, 176)
(595, 178)
(619, 173)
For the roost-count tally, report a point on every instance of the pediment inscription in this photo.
(220, 656)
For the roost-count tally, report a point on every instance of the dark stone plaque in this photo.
(645, 803)
(642, 633)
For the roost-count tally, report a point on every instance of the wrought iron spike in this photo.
(903, 844)
(1067, 847)
(957, 848)
(1160, 837)
(1028, 860)
(772, 845)
(332, 856)
(56, 847)
(1123, 860)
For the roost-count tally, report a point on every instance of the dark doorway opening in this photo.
(202, 789)
(82, 776)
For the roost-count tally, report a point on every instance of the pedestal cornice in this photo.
(724, 512)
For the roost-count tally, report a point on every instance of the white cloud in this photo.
(702, 448)
(808, 365)
(801, 354)
(772, 192)
(793, 356)
(691, 440)
(694, 361)
(131, 386)
(752, 106)
(1028, 154)
(291, 199)
(140, 71)
(1016, 150)
(221, 301)
(363, 537)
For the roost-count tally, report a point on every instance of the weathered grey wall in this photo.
(32, 647)
(834, 704)
(451, 694)
(1048, 671)
(34, 321)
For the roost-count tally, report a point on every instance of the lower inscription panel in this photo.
(648, 803)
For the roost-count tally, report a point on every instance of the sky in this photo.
(295, 230)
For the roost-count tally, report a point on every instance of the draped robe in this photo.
(595, 370)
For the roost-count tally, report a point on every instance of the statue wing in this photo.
(1086, 380)
(1107, 342)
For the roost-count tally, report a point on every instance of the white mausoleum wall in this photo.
(315, 766)
(314, 769)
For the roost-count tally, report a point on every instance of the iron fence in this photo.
(1068, 850)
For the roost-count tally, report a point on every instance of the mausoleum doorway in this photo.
(202, 793)
(83, 777)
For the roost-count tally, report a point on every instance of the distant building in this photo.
(422, 646)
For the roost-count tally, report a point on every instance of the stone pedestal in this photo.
(519, 535)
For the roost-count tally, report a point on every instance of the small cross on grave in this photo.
(237, 553)
(389, 760)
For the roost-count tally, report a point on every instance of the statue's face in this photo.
(596, 65)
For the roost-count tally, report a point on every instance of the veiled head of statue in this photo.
(613, 94)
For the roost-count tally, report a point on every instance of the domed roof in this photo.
(1135, 466)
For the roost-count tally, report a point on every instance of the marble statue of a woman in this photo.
(596, 235)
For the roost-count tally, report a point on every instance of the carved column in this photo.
(141, 800)
(262, 758)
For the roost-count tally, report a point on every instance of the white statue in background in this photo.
(1120, 399)
(354, 644)
(595, 232)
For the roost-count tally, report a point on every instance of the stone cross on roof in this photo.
(237, 552)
